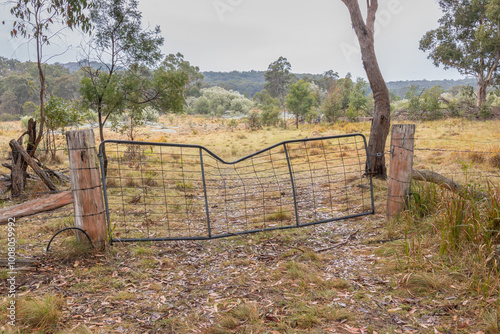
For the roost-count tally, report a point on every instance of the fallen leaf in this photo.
(464, 324)
(352, 330)
(394, 310)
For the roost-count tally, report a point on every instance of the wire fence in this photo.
(479, 165)
(172, 191)
(157, 191)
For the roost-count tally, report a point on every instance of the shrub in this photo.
(413, 101)
(431, 102)
(232, 124)
(218, 100)
(253, 121)
(495, 161)
(24, 121)
(151, 115)
(90, 116)
(485, 110)
(270, 115)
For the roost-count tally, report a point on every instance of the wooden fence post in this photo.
(399, 182)
(86, 186)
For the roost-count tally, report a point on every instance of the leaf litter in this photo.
(321, 279)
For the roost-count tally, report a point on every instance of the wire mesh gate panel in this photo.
(163, 191)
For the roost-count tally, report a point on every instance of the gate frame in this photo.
(201, 149)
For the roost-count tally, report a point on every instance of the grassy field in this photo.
(433, 270)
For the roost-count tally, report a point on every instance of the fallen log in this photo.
(32, 163)
(51, 173)
(57, 175)
(47, 203)
(443, 181)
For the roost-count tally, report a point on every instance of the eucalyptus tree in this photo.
(365, 32)
(346, 98)
(300, 100)
(142, 89)
(327, 80)
(175, 63)
(278, 80)
(40, 22)
(468, 39)
(118, 41)
(358, 100)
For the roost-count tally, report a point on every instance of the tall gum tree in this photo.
(468, 39)
(381, 116)
(40, 22)
(278, 80)
(118, 42)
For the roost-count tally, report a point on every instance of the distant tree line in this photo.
(19, 81)
(330, 97)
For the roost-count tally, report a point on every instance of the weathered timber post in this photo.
(86, 186)
(400, 168)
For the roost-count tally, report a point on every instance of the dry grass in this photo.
(423, 283)
(495, 161)
(490, 318)
(67, 249)
(42, 314)
(275, 282)
(279, 215)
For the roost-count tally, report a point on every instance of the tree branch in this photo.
(444, 182)
(492, 69)
(357, 21)
(372, 11)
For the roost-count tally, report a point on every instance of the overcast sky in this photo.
(315, 36)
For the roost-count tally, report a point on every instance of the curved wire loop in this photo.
(69, 228)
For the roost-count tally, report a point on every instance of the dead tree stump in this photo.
(16, 173)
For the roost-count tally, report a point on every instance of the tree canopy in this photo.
(468, 39)
(278, 80)
(118, 42)
(301, 99)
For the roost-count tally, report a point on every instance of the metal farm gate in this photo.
(163, 191)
